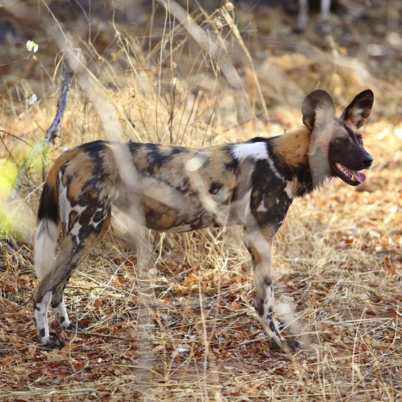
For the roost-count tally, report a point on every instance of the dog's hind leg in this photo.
(59, 305)
(274, 315)
(89, 225)
(43, 295)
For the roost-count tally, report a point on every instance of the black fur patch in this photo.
(184, 185)
(272, 326)
(233, 165)
(261, 139)
(215, 187)
(48, 205)
(157, 157)
(269, 190)
(268, 281)
(259, 307)
(95, 151)
(94, 147)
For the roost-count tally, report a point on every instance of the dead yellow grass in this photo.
(338, 255)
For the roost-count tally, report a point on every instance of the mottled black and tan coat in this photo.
(180, 189)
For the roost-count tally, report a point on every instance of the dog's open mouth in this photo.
(352, 177)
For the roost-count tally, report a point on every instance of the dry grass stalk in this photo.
(218, 52)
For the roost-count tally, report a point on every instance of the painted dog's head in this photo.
(336, 147)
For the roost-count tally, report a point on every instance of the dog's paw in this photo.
(283, 326)
(52, 342)
(282, 340)
(294, 344)
(286, 345)
(76, 326)
(70, 327)
(274, 330)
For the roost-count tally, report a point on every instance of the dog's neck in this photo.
(293, 147)
(307, 160)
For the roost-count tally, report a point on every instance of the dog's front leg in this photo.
(276, 316)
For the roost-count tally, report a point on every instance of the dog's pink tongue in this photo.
(360, 177)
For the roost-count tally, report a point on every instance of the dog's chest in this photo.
(271, 196)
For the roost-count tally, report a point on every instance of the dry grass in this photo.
(338, 255)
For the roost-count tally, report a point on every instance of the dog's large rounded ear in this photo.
(317, 108)
(359, 109)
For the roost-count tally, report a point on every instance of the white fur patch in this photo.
(254, 150)
(75, 231)
(269, 300)
(62, 312)
(290, 189)
(269, 306)
(65, 205)
(274, 169)
(261, 207)
(196, 162)
(358, 112)
(260, 243)
(92, 222)
(41, 320)
(45, 247)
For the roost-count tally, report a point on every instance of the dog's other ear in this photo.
(317, 109)
(359, 109)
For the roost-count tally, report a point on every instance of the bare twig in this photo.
(51, 133)
(6, 133)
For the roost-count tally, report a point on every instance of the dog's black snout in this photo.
(367, 161)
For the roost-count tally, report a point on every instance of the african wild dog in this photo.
(253, 182)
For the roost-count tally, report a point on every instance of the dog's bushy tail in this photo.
(47, 230)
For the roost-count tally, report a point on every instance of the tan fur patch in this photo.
(158, 216)
(80, 170)
(170, 169)
(293, 147)
(54, 170)
(259, 243)
(140, 160)
(216, 170)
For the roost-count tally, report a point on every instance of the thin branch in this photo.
(6, 133)
(51, 133)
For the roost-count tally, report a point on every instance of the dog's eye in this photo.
(359, 138)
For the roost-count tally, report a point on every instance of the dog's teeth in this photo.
(349, 173)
